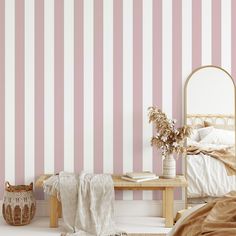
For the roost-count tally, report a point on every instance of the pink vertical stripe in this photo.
(157, 78)
(177, 73)
(216, 32)
(39, 92)
(196, 33)
(98, 86)
(233, 39)
(2, 96)
(118, 90)
(19, 92)
(59, 85)
(79, 85)
(137, 88)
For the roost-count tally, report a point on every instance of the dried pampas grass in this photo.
(167, 137)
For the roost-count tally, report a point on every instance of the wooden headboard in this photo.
(216, 120)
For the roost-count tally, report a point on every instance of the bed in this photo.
(216, 218)
(207, 176)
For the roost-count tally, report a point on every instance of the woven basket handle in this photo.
(7, 185)
(31, 186)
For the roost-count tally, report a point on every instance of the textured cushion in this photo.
(203, 132)
(220, 137)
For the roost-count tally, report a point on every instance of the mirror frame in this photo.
(185, 112)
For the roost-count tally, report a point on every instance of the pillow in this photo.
(203, 132)
(220, 137)
(194, 135)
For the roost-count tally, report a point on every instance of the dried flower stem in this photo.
(167, 137)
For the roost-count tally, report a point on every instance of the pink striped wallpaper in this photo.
(77, 77)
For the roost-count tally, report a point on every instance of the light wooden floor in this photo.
(134, 226)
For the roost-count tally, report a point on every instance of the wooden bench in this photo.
(165, 185)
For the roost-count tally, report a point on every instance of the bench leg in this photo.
(53, 212)
(59, 210)
(169, 205)
(164, 203)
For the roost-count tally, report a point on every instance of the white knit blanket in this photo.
(87, 204)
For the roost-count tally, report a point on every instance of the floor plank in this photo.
(134, 226)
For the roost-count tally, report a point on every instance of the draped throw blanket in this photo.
(87, 204)
(51, 186)
(226, 156)
(216, 218)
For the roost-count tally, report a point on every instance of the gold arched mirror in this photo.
(210, 111)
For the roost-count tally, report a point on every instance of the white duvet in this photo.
(207, 176)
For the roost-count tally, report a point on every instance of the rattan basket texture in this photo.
(19, 204)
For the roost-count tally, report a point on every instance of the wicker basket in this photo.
(19, 204)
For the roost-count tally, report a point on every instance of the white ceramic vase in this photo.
(169, 167)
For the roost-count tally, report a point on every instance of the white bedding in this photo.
(208, 177)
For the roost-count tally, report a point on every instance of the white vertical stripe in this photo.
(29, 90)
(206, 32)
(88, 85)
(49, 86)
(127, 90)
(69, 85)
(10, 90)
(147, 89)
(167, 57)
(226, 35)
(108, 86)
